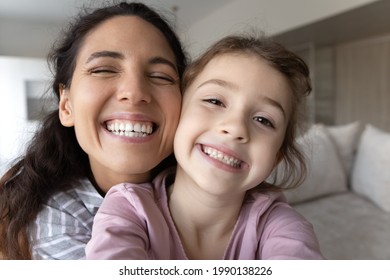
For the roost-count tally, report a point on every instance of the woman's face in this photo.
(124, 100)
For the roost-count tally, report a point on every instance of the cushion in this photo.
(346, 138)
(371, 172)
(325, 171)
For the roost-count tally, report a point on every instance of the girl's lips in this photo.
(222, 157)
(226, 158)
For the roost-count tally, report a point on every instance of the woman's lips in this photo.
(130, 128)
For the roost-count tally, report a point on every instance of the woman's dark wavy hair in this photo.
(292, 170)
(54, 160)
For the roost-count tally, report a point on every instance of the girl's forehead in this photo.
(239, 63)
(237, 59)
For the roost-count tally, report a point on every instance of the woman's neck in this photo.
(104, 179)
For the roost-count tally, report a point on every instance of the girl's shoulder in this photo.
(142, 193)
(257, 195)
(268, 205)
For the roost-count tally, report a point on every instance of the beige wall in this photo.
(362, 76)
(351, 82)
(271, 16)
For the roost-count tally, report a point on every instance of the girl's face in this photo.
(124, 100)
(233, 122)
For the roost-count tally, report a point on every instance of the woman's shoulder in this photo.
(65, 221)
(82, 195)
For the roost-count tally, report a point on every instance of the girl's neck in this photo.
(204, 221)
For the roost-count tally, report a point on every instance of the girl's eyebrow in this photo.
(118, 55)
(277, 105)
(227, 84)
(218, 82)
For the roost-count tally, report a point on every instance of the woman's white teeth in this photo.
(229, 160)
(130, 129)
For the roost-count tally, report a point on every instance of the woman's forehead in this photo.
(127, 34)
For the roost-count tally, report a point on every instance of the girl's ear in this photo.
(65, 107)
(279, 158)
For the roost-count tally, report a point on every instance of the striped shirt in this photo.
(64, 226)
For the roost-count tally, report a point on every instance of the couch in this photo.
(346, 195)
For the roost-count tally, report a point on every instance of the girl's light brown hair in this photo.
(292, 170)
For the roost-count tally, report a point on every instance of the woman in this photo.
(117, 72)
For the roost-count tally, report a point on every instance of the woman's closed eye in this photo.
(162, 79)
(103, 71)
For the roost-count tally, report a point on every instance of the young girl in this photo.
(117, 74)
(239, 120)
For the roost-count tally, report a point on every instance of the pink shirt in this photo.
(134, 222)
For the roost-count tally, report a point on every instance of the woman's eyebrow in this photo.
(118, 55)
(161, 60)
(111, 54)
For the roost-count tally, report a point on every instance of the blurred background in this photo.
(347, 47)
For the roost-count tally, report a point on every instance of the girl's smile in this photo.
(222, 157)
(233, 143)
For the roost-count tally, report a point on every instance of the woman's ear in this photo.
(65, 107)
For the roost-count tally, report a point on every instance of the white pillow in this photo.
(325, 172)
(371, 172)
(346, 138)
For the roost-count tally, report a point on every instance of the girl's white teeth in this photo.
(229, 160)
(130, 129)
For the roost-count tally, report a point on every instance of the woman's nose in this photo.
(134, 89)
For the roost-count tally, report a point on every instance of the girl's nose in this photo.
(235, 127)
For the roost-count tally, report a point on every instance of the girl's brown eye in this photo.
(264, 121)
(215, 101)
